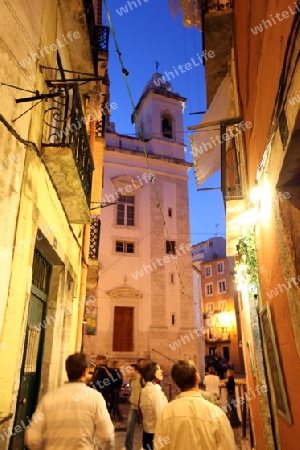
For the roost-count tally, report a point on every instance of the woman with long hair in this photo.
(152, 401)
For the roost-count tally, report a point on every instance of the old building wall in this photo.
(33, 216)
(260, 64)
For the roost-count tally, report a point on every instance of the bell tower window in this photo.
(167, 126)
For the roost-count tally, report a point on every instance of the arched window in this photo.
(167, 126)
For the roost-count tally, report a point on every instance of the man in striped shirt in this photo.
(74, 416)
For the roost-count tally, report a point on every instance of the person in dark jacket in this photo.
(231, 400)
(102, 379)
(116, 384)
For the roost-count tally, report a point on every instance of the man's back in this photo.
(73, 415)
(190, 422)
(212, 384)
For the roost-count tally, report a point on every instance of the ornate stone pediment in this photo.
(124, 291)
(126, 180)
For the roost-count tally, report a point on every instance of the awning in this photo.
(206, 142)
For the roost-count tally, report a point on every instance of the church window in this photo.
(171, 247)
(125, 210)
(167, 126)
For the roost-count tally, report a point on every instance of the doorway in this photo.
(33, 348)
(123, 329)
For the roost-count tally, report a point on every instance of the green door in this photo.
(33, 347)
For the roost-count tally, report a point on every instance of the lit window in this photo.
(221, 286)
(222, 305)
(125, 210)
(207, 271)
(220, 267)
(171, 247)
(209, 308)
(124, 247)
(209, 289)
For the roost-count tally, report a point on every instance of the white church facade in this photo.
(144, 304)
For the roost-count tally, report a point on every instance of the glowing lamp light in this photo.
(249, 217)
(255, 194)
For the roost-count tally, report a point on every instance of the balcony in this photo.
(89, 53)
(99, 36)
(217, 18)
(94, 239)
(67, 153)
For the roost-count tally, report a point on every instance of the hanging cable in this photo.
(141, 136)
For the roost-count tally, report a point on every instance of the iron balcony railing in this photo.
(99, 35)
(94, 238)
(65, 127)
(215, 5)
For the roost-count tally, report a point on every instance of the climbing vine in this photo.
(247, 253)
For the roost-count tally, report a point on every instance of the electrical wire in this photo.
(141, 134)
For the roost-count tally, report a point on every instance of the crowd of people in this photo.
(80, 414)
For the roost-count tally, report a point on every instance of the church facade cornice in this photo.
(168, 159)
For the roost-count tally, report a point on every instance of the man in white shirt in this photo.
(73, 416)
(212, 383)
(190, 421)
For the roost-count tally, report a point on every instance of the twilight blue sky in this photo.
(145, 34)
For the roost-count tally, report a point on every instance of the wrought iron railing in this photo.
(94, 239)
(99, 34)
(102, 38)
(215, 5)
(65, 127)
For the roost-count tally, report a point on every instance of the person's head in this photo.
(141, 362)
(211, 370)
(151, 372)
(115, 364)
(135, 370)
(185, 374)
(229, 373)
(100, 360)
(77, 366)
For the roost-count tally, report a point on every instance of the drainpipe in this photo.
(82, 294)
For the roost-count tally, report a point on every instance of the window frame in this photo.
(223, 267)
(126, 205)
(221, 304)
(206, 287)
(221, 291)
(168, 117)
(209, 311)
(125, 243)
(172, 246)
(210, 271)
